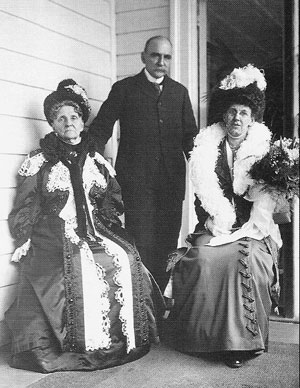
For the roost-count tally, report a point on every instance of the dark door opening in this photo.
(259, 32)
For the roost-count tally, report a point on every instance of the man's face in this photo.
(157, 57)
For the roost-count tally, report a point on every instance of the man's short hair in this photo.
(158, 37)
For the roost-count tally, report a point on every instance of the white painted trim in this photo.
(111, 148)
(202, 49)
(296, 286)
(175, 38)
(113, 41)
(296, 68)
(183, 35)
(296, 267)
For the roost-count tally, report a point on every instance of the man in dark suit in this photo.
(157, 127)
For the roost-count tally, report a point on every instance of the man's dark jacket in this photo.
(152, 128)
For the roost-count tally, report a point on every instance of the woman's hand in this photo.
(213, 228)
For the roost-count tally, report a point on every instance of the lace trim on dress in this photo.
(95, 293)
(97, 336)
(92, 176)
(95, 287)
(32, 164)
(70, 226)
(123, 295)
(95, 302)
(141, 318)
(59, 178)
(122, 277)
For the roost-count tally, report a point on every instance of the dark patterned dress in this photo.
(84, 299)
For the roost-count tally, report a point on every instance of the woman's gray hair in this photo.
(54, 109)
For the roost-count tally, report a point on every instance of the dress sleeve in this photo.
(26, 209)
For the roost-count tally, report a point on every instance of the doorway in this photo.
(261, 32)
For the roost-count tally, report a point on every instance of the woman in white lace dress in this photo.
(84, 299)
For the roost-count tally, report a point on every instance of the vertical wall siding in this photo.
(136, 21)
(41, 43)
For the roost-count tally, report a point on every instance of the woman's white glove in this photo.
(214, 229)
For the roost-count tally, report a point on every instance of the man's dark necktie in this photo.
(157, 88)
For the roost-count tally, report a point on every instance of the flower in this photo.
(244, 76)
(278, 170)
(77, 89)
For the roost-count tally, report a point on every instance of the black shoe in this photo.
(234, 363)
(233, 359)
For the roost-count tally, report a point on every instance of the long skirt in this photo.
(223, 297)
(91, 309)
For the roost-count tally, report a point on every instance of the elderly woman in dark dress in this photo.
(225, 281)
(84, 299)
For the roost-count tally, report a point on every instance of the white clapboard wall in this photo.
(41, 43)
(137, 21)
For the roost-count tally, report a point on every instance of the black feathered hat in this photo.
(245, 86)
(68, 90)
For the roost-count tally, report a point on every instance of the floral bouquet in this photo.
(278, 174)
